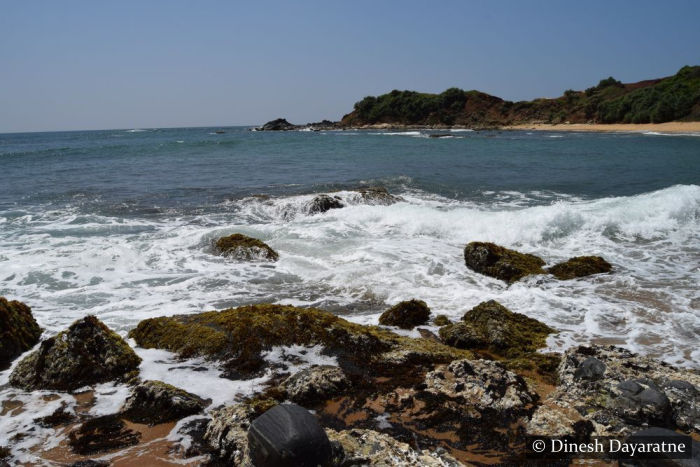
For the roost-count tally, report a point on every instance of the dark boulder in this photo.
(314, 385)
(406, 315)
(490, 325)
(288, 435)
(19, 331)
(279, 124)
(580, 266)
(323, 203)
(590, 369)
(102, 434)
(502, 263)
(87, 353)
(154, 402)
(244, 248)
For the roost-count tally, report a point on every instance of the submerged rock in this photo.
(19, 331)
(155, 402)
(87, 353)
(59, 417)
(406, 315)
(368, 447)
(314, 385)
(580, 266)
(323, 203)
(491, 326)
(288, 435)
(378, 195)
(625, 393)
(502, 263)
(101, 434)
(244, 248)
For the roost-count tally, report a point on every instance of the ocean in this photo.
(120, 224)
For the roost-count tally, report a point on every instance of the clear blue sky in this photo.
(128, 64)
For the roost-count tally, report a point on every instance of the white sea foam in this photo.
(399, 133)
(657, 133)
(358, 260)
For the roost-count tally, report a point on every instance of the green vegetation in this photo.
(670, 99)
(673, 98)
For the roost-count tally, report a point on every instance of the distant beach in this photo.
(668, 127)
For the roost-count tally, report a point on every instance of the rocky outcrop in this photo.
(102, 434)
(244, 248)
(323, 203)
(469, 402)
(154, 402)
(368, 447)
(617, 392)
(481, 384)
(279, 124)
(502, 263)
(241, 334)
(87, 353)
(19, 331)
(406, 315)
(580, 266)
(490, 325)
(314, 385)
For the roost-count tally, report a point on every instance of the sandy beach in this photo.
(668, 127)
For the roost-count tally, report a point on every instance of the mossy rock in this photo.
(502, 263)
(245, 248)
(493, 327)
(86, 353)
(580, 266)
(406, 315)
(155, 402)
(441, 320)
(19, 331)
(230, 334)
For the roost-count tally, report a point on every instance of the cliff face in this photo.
(675, 97)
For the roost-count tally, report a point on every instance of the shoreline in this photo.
(668, 127)
(690, 128)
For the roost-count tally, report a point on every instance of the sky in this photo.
(73, 65)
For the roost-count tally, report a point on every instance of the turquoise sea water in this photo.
(119, 223)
